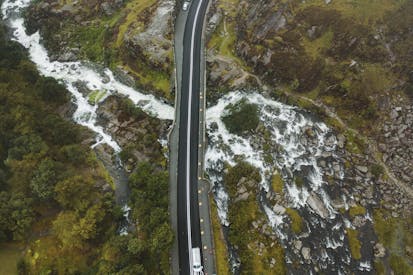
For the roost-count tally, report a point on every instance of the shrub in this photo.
(241, 117)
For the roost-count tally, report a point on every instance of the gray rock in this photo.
(379, 250)
(242, 197)
(341, 141)
(298, 244)
(317, 205)
(278, 209)
(362, 169)
(305, 251)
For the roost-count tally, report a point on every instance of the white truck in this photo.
(196, 260)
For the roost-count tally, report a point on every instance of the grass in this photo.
(242, 214)
(221, 252)
(133, 10)
(296, 220)
(365, 11)
(357, 210)
(316, 47)
(399, 265)
(149, 78)
(396, 235)
(10, 253)
(354, 243)
(277, 183)
(96, 96)
(224, 37)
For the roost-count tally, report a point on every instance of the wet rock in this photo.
(317, 205)
(242, 197)
(305, 251)
(123, 77)
(278, 209)
(362, 169)
(67, 55)
(359, 221)
(242, 190)
(341, 141)
(379, 250)
(298, 244)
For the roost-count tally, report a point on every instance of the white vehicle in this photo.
(196, 260)
(185, 6)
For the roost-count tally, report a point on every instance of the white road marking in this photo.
(188, 146)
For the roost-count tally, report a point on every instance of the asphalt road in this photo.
(189, 234)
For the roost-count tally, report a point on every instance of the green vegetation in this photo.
(296, 220)
(354, 243)
(329, 53)
(149, 186)
(299, 181)
(400, 265)
(241, 117)
(397, 237)
(221, 252)
(52, 196)
(10, 253)
(241, 170)
(277, 183)
(96, 96)
(104, 38)
(357, 210)
(255, 258)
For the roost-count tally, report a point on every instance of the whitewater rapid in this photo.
(298, 143)
(70, 73)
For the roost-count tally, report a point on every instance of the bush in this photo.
(241, 117)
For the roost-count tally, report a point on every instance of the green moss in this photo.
(96, 96)
(383, 227)
(10, 253)
(400, 266)
(277, 183)
(241, 170)
(221, 252)
(296, 220)
(242, 233)
(379, 267)
(354, 243)
(396, 235)
(357, 210)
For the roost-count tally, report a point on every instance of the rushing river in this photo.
(72, 72)
(299, 144)
(297, 154)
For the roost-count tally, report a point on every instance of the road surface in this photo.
(189, 233)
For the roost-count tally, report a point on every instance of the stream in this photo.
(300, 141)
(70, 73)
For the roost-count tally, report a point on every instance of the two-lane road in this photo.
(189, 234)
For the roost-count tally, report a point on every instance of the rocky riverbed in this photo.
(309, 159)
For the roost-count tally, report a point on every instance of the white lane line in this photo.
(188, 146)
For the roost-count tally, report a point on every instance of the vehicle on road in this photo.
(185, 6)
(196, 260)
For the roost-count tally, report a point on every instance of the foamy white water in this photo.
(71, 72)
(298, 142)
(286, 125)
